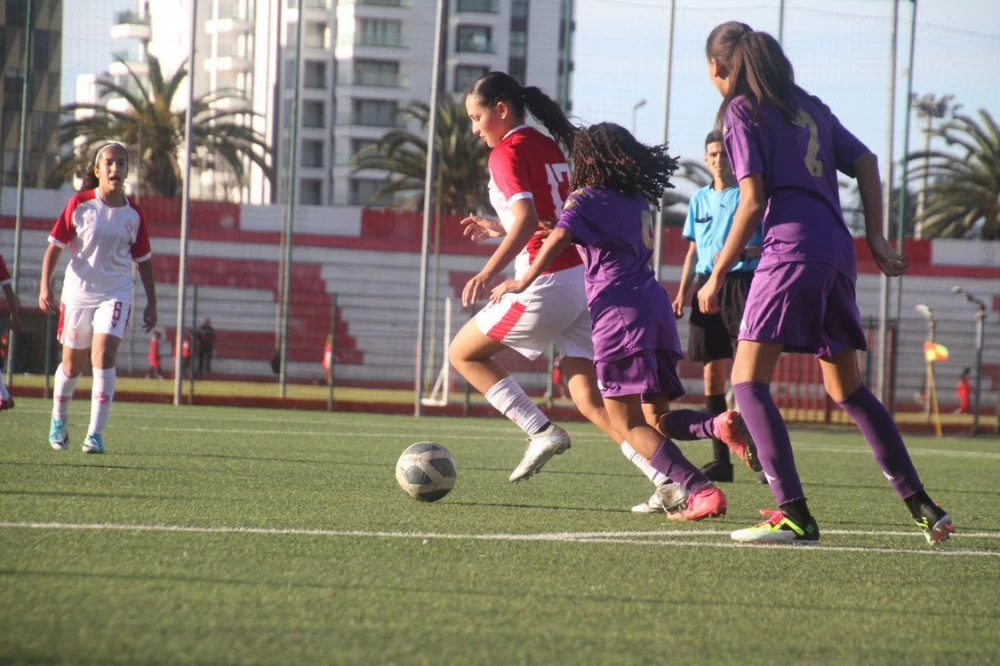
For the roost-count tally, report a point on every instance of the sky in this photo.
(840, 52)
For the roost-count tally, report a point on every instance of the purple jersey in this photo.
(629, 310)
(798, 161)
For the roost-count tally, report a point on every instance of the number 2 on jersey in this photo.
(556, 174)
(812, 150)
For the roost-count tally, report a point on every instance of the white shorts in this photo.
(77, 325)
(552, 309)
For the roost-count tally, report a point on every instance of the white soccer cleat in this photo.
(667, 498)
(541, 447)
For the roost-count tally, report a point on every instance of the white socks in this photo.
(509, 399)
(62, 393)
(636, 458)
(101, 395)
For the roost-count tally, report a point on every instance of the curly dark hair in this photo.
(607, 155)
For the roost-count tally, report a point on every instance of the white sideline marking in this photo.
(629, 538)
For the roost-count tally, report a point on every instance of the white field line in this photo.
(501, 429)
(658, 538)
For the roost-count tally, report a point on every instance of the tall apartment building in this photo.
(43, 73)
(362, 61)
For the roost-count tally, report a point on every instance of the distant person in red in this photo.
(328, 360)
(6, 401)
(155, 371)
(964, 391)
(185, 353)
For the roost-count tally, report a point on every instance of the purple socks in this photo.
(669, 460)
(689, 424)
(882, 435)
(774, 449)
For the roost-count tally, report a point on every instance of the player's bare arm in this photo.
(524, 226)
(15, 315)
(690, 259)
(45, 299)
(479, 229)
(886, 258)
(745, 222)
(556, 242)
(149, 316)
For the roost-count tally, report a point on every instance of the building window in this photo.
(480, 6)
(519, 9)
(363, 191)
(44, 45)
(315, 74)
(474, 39)
(12, 88)
(466, 75)
(317, 4)
(310, 192)
(312, 154)
(518, 44)
(375, 113)
(289, 74)
(376, 73)
(16, 12)
(377, 32)
(227, 45)
(313, 113)
(316, 35)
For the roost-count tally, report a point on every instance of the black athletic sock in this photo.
(914, 502)
(798, 512)
(716, 404)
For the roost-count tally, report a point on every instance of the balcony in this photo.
(227, 64)
(479, 6)
(130, 25)
(358, 119)
(406, 4)
(374, 80)
(379, 41)
(234, 103)
(225, 26)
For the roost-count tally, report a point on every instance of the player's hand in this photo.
(15, 322)
(708, 296)
(149, 318)
(506, 287)
(474, 289)
(889, 261)
(45, 301)
(479, 228)
(679, 306)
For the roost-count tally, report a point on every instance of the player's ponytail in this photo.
(500, 87)
(90, 180)
(757, 66)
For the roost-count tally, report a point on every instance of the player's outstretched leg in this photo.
(62, 394)
(728, 427)
(102, 394)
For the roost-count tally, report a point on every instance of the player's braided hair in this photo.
(607, 155)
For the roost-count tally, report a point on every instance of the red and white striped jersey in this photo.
(529, 165)
(103, 241)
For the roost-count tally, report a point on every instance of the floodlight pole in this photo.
(883, 301)
(19, 212)
(658, 226)
(418, 384)
(185, 215)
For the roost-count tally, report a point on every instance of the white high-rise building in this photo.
(362, 61)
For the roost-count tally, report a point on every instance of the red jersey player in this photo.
(104, 233)
(155, 371)
(529, 180)
(6, 401)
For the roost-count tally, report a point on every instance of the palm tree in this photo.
(462, 175)
(157, 129)
(963, 195)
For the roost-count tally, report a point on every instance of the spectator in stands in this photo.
(328, 360)
(964, 391)
(206, 346)
(155, 371)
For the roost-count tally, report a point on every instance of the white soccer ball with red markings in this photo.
(426, 471)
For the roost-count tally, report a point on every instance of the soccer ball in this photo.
(426, 471)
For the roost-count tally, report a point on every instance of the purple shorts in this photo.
(647, 373)
(808, 308)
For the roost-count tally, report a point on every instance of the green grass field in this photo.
(218, 536)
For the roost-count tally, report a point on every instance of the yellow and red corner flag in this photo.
(935, 352)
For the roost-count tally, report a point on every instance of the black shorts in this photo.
(713, 337)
